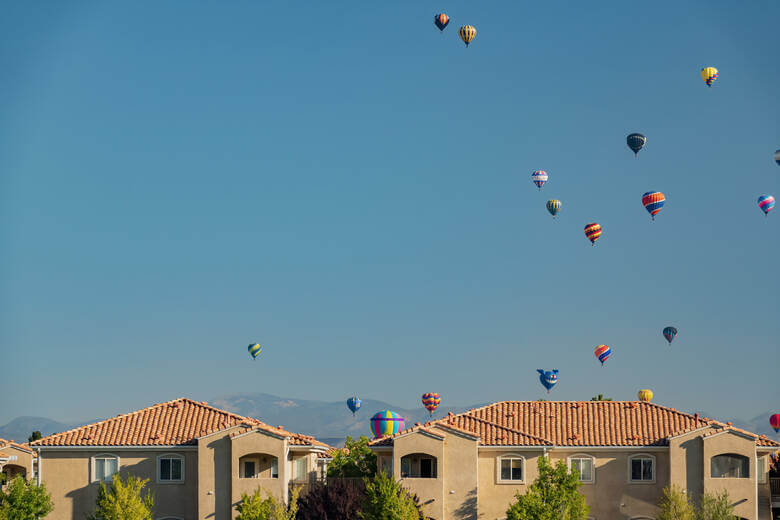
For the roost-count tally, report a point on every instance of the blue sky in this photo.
(351, 188)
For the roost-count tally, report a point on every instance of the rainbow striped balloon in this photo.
(653, 201)
(386, 422)
(766, 203)
(602, 352)
(431, 401)
(593, 232)
(539, 177)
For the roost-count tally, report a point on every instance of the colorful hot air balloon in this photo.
(441, 20)
(593, 232)
(554, 207)
(548, 378)
(467, 34)
(636, 142)
(602, 352)
(539, 177)
(670, 333)
(254, 350)
(431, 401)
(353, 403)
(777, 156)
(645, 395)
(774, 421)
(709, 75)
(653, 201)
(386, 423)
(766, 203)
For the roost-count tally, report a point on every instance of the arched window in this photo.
(584, 466)
(170, 468)
(258, 465)
(730, 465)
(641, 468)
(511, 468)
(418, 465)
(104, 466)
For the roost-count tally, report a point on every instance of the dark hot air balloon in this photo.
(669, 334)
(441, 20)
(636, 142)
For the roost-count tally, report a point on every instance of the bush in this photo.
(354, 461)
(337, 500)
(554, 495)
(386, 500)
(124, 500)
(675, 505)
(24, 500)
(253, 507)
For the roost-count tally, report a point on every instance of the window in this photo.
(104, 467)
(641, 468)
(299, 469)
(510, 468)
(729, 465)
(258, 465)
(418, 465)
(170, 468)
(582, 464)
(275, 468)
(249, 469)
(761, 469)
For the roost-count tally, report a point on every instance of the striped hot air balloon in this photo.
(709, 75)
(766, 203)
(254, 350)
(554, 207)
(539, 177)
(386, 422)
(593, 232)
(431, 401)
(653, 201)
(602, 352)
(441, 20)
(774, 422)
(467, 34)
(669, 333)
(645, 395)
(636, 142)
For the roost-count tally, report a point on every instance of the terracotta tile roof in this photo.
(294, 439)
(174, 423)
(5, 444)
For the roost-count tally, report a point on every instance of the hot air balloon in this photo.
(539, 177)
(636, 142)
(386, 423)
(709, 75)
(645, 395)
(353, 403)
(467, 34)
(554, 207)
(593, 232)
(441, 20)
(774, 421)
(548, 378)
(766, 203)
(254, 350)
(653, 201)
(602, 352)
(777, 156)
(669, 333)
(431, 401)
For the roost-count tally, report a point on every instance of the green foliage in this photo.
(254, 507)
(600, 397)
(354, 461)
(123, 500)
(675, 505)
(554, 495)
(715, 507)
(386, 500)
(34, 437)
(24, 500)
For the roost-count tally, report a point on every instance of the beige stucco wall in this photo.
(23, 463)
(460, 471)
(741, 490)
(494, 496)
(67, 476)
(429, 490)
(764, 490)
(260, 443)
(686, 468)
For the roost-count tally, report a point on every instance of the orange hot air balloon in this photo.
(441, 20)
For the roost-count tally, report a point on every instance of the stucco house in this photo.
(470, 466)
(16, 460)
(198, 459)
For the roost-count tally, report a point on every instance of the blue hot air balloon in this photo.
(254, 350)
(548, 378)
(353, 403)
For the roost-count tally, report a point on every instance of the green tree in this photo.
(254, 507)
(22, 500)
(386, 500)
(554, 495)
(675, 505)
(354, 461)
(715, 507)
(123, 500)
(34, 437)
(600, 397)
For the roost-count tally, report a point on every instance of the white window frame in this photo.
(159, 468)
(761, 469)
(102, 456)
(509, 456)
(641, 456)
(578, 456)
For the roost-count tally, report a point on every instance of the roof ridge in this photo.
(507, 428)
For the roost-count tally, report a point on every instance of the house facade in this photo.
(16, 460)
(198, 459)
(470, 466)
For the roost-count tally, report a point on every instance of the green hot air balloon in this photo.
(554, 207)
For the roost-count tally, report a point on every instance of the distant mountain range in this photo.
(330, 422)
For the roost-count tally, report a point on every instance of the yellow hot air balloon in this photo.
(709, 75)
(467, 34)
(645, 395)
